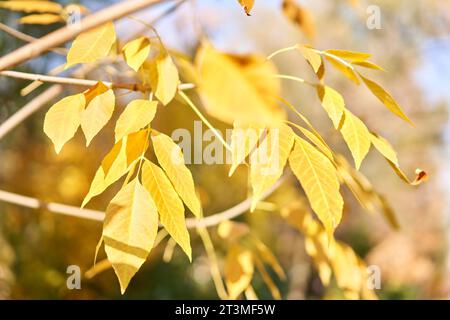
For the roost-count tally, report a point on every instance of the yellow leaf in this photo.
(386, 99)
(162, 74)
(232, 231)
(136, 52)
(318, 178)
(312, 56)
(268, 257)
(239, 270)
(244, 139)
(300, 16)
(368, 64)
(117, 162)
(238, 87)
(384, 147)
(92, 45)
(247, 5)
(31, 6)
(129, 230)
(357, 137)
(343, 67)
(317, 141)
(351, 56)
(269, 160)
(137, 114)
(62, 120)
(332, 102)
(98, 89)
(171, 159)
(170, 207)
(267, 279)
(97, 114)
(46, 18)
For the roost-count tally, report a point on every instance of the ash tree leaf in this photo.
(384, 147)
(63, 119)
(45, 18)
(244, 138)
(32, 6)
(357, 137)
(319, 179)
(344, 67)
(97, 114)
(137, 114)
(332, 102)
(352, 56)
(129, 230)
(170, 207)
(310, 55)
(238, 87)
(163, 77)
(92, 45)
(171, 159)
(385, 98)
(239, 269)
(122, 157)
(300, 16)
(247, 5)
(136, 52)
(269, 159)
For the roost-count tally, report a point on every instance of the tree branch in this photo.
(69, 32)
(95, 215)
(82, 82)
(25, 37)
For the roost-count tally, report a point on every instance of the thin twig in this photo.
(27, 38)
(82, 82)
(95, 215)
(69, 32)
(30, 108)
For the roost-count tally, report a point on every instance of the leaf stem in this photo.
(205, 121)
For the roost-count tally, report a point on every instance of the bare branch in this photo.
(82, 82)
(95, 215)
(30, 108)
(24, 37)
(69, 32)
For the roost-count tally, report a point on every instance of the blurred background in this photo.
(413, 45)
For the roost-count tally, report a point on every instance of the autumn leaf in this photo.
(171, 159)
(129, 230)
(162, 74)
(32, 6)
(300, 16)
(117, 162)
(384, 147)
(385, 98)
(46, 18)
(318, 178)
(238, 87)
(357, 137)
(137, 114)
(170, 207)
(244, 138)
(332, 102)
(352, 56)
(63, 119)
(136, 52)
(92, 45)
(344, 67)
(239, 270)
(312, 56)
(97, 114)
(269, 160)
(247, 5)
